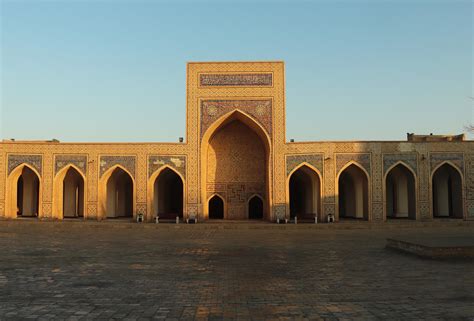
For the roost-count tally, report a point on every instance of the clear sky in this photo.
(116, 70)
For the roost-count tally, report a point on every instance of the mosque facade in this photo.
(236, 164)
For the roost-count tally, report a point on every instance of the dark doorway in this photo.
(353, 193)
(400, 193)
(119, 194)
(447, 192)
(255, 208)
(168, 199)
(73, 194)
(304, 193)
(27, 194)
(216, 208)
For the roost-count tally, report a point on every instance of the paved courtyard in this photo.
(83, 271)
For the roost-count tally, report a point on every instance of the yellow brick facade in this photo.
(236, 147)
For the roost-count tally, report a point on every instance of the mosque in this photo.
(235, 163)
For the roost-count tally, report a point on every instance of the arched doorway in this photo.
(119, 194)
(353, 193)
(168, 195)
(235, 154)
(400, 193)
(27, 193)
(255, 208)
(216, 207)
(73, 194)
(305, 194)
(447, 192)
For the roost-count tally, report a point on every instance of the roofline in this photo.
(25, 142)
(235, 61)
(88, 143)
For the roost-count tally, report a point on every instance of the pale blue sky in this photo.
(115, 70)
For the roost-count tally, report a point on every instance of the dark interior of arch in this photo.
(216, 208)
(400, 193)
(447, 192)
(27, 194)
(73, 194)
(353, 193)
(119, 194)
(255, 208)
(169, 194)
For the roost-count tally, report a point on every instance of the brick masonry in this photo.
(257, 90)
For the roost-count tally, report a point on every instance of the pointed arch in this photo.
(400, 192)
(102, 191)
(58, 191)
(11, 196)
(152, 190)
(245, 118)
(214, 128)
(447, 191)
(361, 195)
(451, 164)
(255, 210)
(312, 190)
(220, 212)
(402, 163)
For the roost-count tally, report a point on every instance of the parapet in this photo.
(411, 137)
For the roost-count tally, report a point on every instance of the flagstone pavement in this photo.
(82, 272)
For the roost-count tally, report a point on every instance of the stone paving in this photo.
(77, 271)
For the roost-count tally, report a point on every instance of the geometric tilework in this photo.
(33, 160)
(362, 159)
(176, 162)
(260, 110)
(470, 177)
(408, 159)
(80, 161)
(247, 79)
(293, 161)
(456, 158)
(279, 211)
(128, 162)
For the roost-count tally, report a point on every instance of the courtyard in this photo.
(81, 270)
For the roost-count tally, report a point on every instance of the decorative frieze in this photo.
(456, 159)
(315, 160)
(80, 161)
(259, 110)
(34, 161)
(127, 162)
(236, 80)
(362, 159)
(409, 159)
(178, 163)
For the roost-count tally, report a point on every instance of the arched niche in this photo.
(116, 194)
(353, 192)
(255, 207)
(447, 192)
(235, 152)
(166, 193)
(216, 206)
(400, 192)
(69, 189)
(23, 193)
(304, 192)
